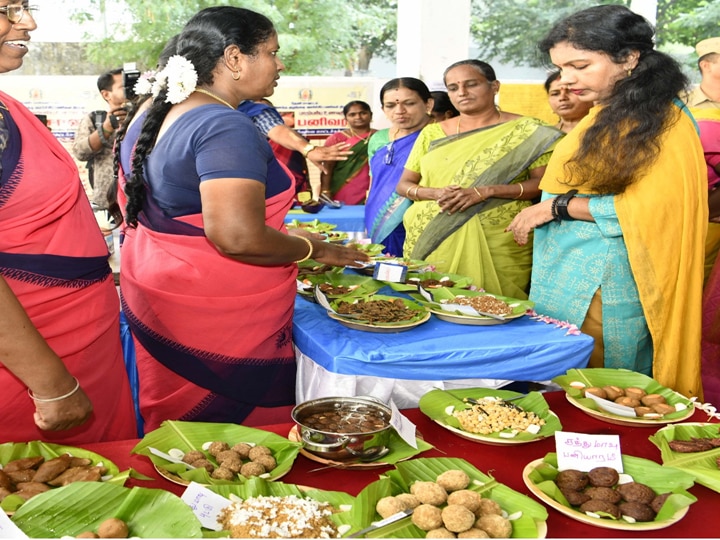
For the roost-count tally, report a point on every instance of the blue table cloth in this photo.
(348, 218)
(521, 350)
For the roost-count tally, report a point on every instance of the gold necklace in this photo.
(364, 139)
(221, 100)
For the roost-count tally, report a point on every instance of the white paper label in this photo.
(584, 452)
(402, 424)
(8, 529)
(395, 273)
(205, 504)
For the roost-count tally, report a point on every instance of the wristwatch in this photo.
(309, 147)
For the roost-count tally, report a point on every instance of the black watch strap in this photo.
(560, 205)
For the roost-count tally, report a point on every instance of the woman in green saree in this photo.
(468, 177)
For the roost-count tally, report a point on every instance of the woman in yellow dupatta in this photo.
(468, 176)
(624, 258)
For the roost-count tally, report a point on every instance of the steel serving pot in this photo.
(340, 428)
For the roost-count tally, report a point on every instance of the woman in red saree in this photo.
(60, 337)
(208, 273)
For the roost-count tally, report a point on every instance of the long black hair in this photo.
(624, 140)
(202, 41)
(411, 83)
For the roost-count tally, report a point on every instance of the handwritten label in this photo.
(405, 428)
(8, 529)
(394, 273)
(583, 452)
(205, 504)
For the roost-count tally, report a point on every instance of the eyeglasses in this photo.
(390, 153)
(15, 12)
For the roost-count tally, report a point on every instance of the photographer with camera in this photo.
(94, 141)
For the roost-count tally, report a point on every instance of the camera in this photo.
(130, 76)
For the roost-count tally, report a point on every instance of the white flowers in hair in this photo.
(179, 77)
(144, 84)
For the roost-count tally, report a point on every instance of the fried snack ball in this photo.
(663, 408)
(193, 456)
(603, 477)
(571, 479)
(657, 502)
(252, 468)
(227, 454)
(233, 464)
(457, 518)
(637, 510)
(223, 473)
(596, 391)
(575, 498)
(259, 450)
(453, 480)
(408, 499)
(216, 447)
(596, 505)
(87, 534)
(266, 461)
(465, 497)
(636, 492)
(427, 517)
(613, 392)
(603, 494)
(440, 532)
(496, 526)
(242, 449)
(488, 507)
(652, 399)
(387, 506)
(635, 392)
(203, 464)
(113, 528)
(628, 401)
(429, 493)
(473, 533)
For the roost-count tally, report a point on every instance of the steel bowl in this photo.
(340, 428)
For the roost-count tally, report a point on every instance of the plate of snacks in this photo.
(379, 313)
(645, 497)
(431, 280)
(313, 226)
(448, 496)
(499, 417)
(475, 308)
(624, 397)
(214, 453)
(106, 510)
(335, 285)
(410, 264)
(693, 447)
(29, 469)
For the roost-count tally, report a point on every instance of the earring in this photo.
(234, 73)
(429, 113)
(629, 72)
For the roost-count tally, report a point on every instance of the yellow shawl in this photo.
(664, 218)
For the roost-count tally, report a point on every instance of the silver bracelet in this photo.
(59, 398)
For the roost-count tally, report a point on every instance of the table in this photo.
(335, 360)
(348, 218)
(505, 463)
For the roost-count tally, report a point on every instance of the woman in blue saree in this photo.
(407, 103)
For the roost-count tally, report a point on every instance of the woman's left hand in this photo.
(458, 199)
(528, 219)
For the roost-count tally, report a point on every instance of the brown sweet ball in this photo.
(387, 506)
(603, 494)
(596, 391)
(465, 497)
(628, 401)
(227, 454)
(203, 464)
(635, 392)
(192, 457)
(453, 480)
(429, 493)
(223, 473)
(473, 533)
(597, 506)
(87, 534)
(216, 447)
(636, 492)
(663, 408)
(457, 518)
(652, 399)
(441, 532)
(427, 517)
(575, 498)
(571, 479)
(603, 477)
(259, 450)
(113, 528)
(266, 461)
(613, 392)
(488, 507)
(643, 410)
(637, 510)
(496, 526)
(242, 449)
(252, 468)
(409, 500)
(232, 464)
(657, 502)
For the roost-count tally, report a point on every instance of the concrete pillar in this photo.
(431, 35)
(646, 8)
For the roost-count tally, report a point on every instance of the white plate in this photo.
(625, 420)
(378, 328)
(492, 440)
(473, 320)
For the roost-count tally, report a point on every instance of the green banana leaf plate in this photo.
(420, 316)
(315, 226)
(361, 285)
(447, 295)
(413, 278)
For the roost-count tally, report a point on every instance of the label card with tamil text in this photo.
(584, 452)
(402, 424)
(206, 505)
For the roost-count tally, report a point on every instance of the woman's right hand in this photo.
(337, 255)
(64, 414)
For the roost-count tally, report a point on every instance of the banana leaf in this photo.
(448, 295)
(187, 436)
(660, 478)
(12, 451)
(365, 285)
(624, 379)
(531, 524)
(82, 506)
(314, 225)
(435, 404)
(459, 282)
(370, 249)
(702, 465)
(419, 311)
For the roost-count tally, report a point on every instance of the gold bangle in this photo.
(522, 190)
(415, 195)
(310, 245)
(407, 193)
(477, 193)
